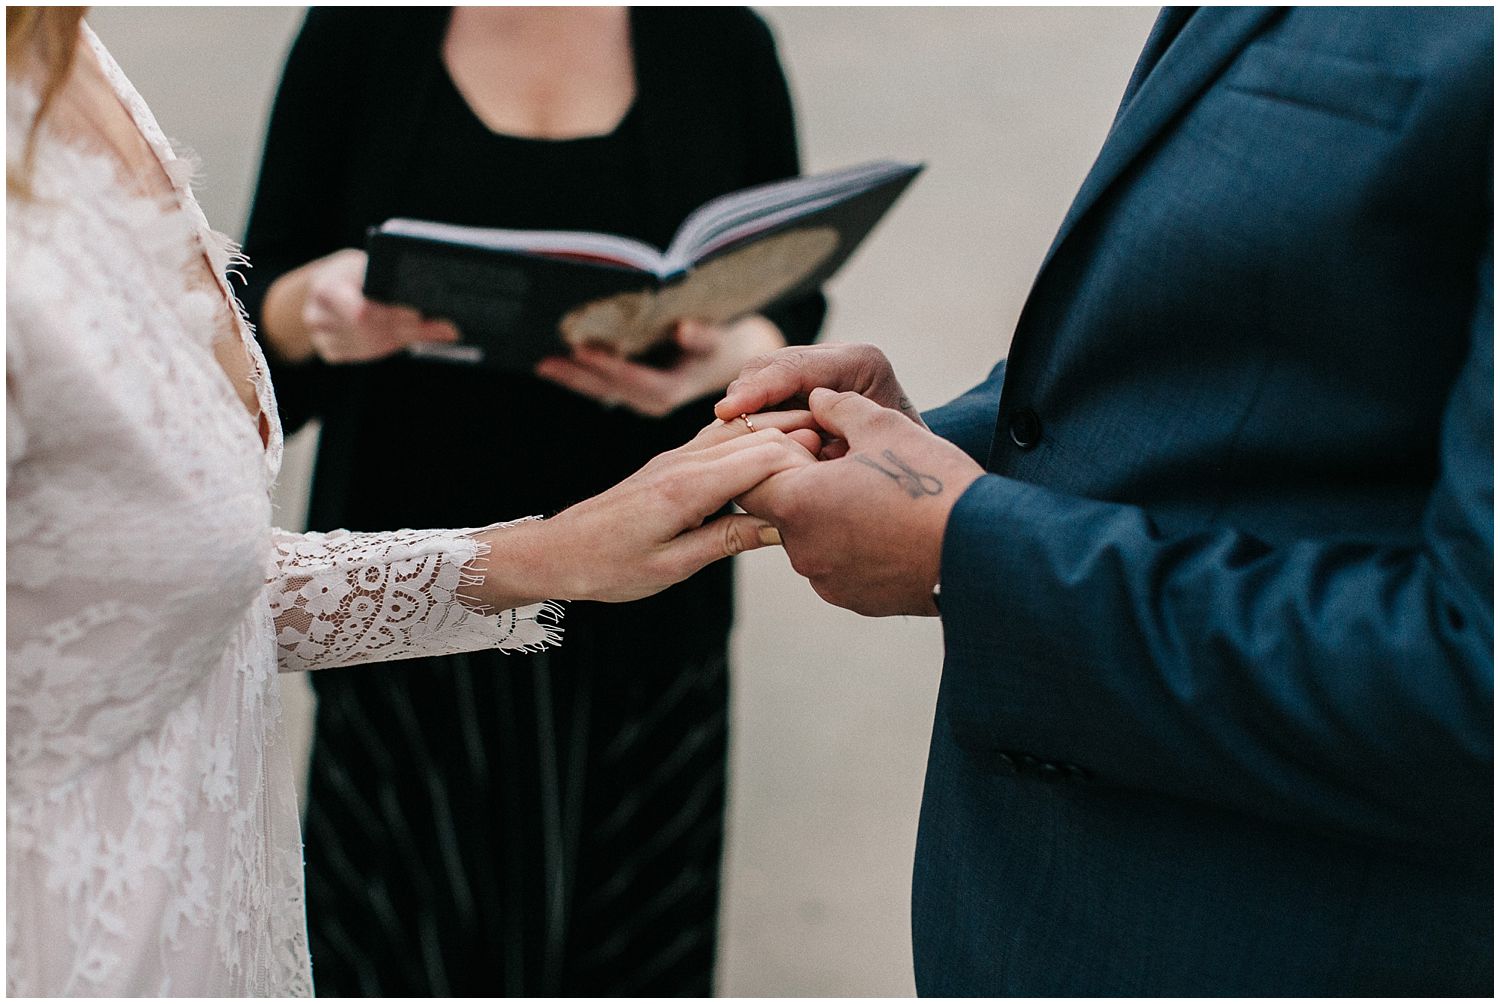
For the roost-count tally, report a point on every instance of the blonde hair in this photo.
(40, 43)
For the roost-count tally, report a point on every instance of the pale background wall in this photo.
(831, 713)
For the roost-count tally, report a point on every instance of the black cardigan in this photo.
(410, 442)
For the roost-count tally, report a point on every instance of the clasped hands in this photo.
(845, 470)
(865, 523)
(833, 463)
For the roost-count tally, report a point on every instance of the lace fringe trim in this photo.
(532, 628)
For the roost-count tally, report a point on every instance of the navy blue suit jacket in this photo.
(1216, 710)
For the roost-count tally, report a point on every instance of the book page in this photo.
(730, 286)
(741, 211)
(570, 244)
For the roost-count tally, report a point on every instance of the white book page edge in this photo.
(781, 199)
(618, 250)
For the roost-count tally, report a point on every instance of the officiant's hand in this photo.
(320, 310)
(712, 355)
(649, 531)
(867, 529)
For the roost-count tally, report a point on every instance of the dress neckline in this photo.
(547, 142)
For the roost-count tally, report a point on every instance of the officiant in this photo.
(487, 824)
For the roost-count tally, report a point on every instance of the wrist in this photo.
(932, 581)
(285, 333)
(517, 571)
(950, 527)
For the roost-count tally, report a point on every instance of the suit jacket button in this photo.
(1075, 773)
(1005, 763)
(1030, 763)
(1025, 428)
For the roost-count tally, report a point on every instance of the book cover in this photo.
(520, 296)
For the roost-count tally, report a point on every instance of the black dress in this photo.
(488, 824)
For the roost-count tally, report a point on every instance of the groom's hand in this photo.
(867, 529)
(788, 376)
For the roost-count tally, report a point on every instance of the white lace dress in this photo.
(153, 842)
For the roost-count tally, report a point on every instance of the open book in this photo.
(518, 296)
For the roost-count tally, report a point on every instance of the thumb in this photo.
(721, 538)
(846, 415)
(343, 300)
(695, 335)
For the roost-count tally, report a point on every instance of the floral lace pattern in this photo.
(153, 843)
(345, 598)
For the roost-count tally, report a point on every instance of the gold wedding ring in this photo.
(748, 424)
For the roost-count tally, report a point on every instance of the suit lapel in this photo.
(1168, 23)
(1207, 42)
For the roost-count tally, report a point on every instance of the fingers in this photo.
(809, 439)
(641, 381)
(769, 498)
(348, 327)
(437, 331)
(578, 379)
(408, 331)
(709, 358)
(792, 373)
(758, 501)
(606, 377)
(760, 438)
(399, 326)
(349, 263)
(847, 415)
(736, 428)
(333, 303)
(766, 380)
(743, 465)
(721, 538)
(697, 336)
(725, 536)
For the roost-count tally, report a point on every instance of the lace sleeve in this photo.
(344, 598)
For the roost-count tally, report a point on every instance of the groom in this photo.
(1213, 548)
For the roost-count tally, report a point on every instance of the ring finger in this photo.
(798, 424)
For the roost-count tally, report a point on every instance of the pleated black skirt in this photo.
(538, 825)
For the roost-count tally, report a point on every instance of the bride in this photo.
(152, 831)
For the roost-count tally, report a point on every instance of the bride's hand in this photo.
(648, 532)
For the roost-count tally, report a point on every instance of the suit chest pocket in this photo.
(1292, 142)
(1369, 93)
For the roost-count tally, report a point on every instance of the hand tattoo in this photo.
(916, 483)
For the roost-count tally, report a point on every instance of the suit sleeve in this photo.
(1331, 683)
(294, 217)
(969, 421)
(774, 156)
